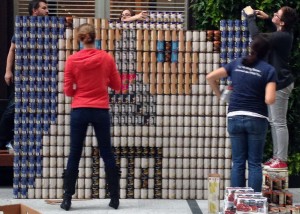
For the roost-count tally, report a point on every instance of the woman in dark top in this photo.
(281, 40)
(253, 82)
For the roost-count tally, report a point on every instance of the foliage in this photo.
(207, 15)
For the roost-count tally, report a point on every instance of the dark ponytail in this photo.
(259, 48)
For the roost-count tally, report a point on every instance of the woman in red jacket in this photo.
(88, 74)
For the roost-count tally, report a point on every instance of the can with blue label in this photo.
(238, 36)
(18, 21)
(25, 21)
(174, 56)
(244, 26)
(160, 45)
(230, 46)
(230, 25)
(245, 36)
(174, 46)
(40, 21)
(237, 25)
(160, 56)
(223, 25)
(238, 47)
(237, 55)
(47, 21)
(230, 36)
(32, 33)
(54, 22)
(223, 47)
(230, 57)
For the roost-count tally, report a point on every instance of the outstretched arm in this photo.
(141, 16)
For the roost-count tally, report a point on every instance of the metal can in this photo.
(223, 25)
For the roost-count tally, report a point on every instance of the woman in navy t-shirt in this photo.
(254, 86)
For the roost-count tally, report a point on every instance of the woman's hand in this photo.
(261, 14)
(248, 10)
(142, 15)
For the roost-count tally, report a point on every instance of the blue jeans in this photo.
(100, 120)
(247, 136)
(279, 130)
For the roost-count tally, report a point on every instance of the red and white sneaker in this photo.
(277, 165)
(269, 162)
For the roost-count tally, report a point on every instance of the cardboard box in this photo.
(214, 193)
(17, 209)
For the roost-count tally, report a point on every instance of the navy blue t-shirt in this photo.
(249, 86)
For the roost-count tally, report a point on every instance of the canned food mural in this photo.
(168, 129)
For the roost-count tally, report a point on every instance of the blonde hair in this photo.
(86, 33)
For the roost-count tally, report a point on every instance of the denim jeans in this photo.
(7, 122)
(247, 135)
(100, 120)
(279, 130)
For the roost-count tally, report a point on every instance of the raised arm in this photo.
(141, 16)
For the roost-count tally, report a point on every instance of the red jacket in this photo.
(88, 74)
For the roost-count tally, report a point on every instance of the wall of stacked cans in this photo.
(168, 129)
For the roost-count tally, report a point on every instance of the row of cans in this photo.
(133, 120)
(233, 25)
(165, 16)
(40, 21)
(230, 56)
(146, 25)
(139, 57)
(129, 177)
(39, 43)
(237, 36)
(167, 35)
(136, 183)
(163, 132)
(235, 47)
(34, 35)
(37, 60)
(134, 98)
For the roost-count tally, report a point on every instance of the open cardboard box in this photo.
(17, 209)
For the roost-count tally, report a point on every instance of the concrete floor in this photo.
(127, 206)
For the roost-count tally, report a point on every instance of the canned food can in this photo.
(159, 26)
(152, 16)
(244, 25)
(223, 25)
(160, 57)
(160, 45)
(112, 24)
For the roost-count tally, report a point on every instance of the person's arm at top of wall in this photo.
(69, 79)
(141, 16)
(9, 76)
(251, 16)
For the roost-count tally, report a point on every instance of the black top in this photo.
(281, 45)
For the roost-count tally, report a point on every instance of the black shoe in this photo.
(66, 203)
(114, 203)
